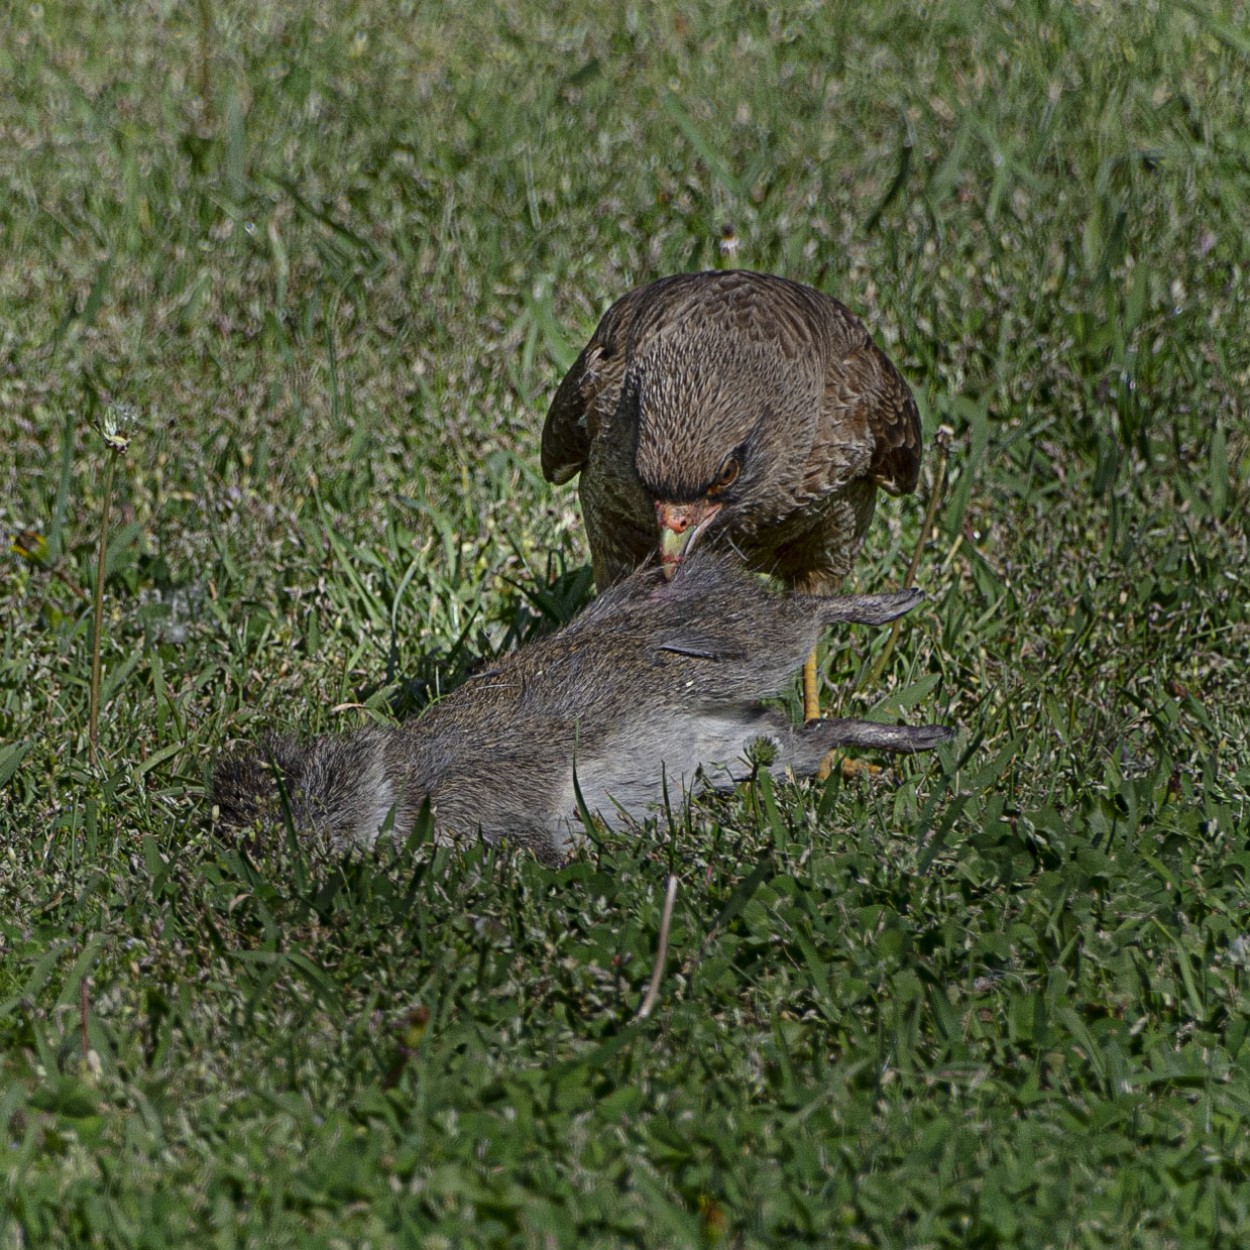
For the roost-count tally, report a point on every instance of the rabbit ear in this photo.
(704, 647)
(691, 652)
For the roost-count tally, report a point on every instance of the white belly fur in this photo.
(628, 775)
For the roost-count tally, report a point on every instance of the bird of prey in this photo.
(734, 404)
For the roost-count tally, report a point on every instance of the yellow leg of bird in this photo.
(851, 768)
(811, 689)
(811, 710)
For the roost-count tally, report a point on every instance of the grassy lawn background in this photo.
(327, 262)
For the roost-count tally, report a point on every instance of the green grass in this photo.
(334, 258)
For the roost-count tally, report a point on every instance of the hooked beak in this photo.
(681, 524)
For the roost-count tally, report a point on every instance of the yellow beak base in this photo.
(681, 525)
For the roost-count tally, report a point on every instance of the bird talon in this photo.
(851, 769)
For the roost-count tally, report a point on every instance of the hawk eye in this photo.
(726, 477)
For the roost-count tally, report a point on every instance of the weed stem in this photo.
(661, 952)
(97, 608)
